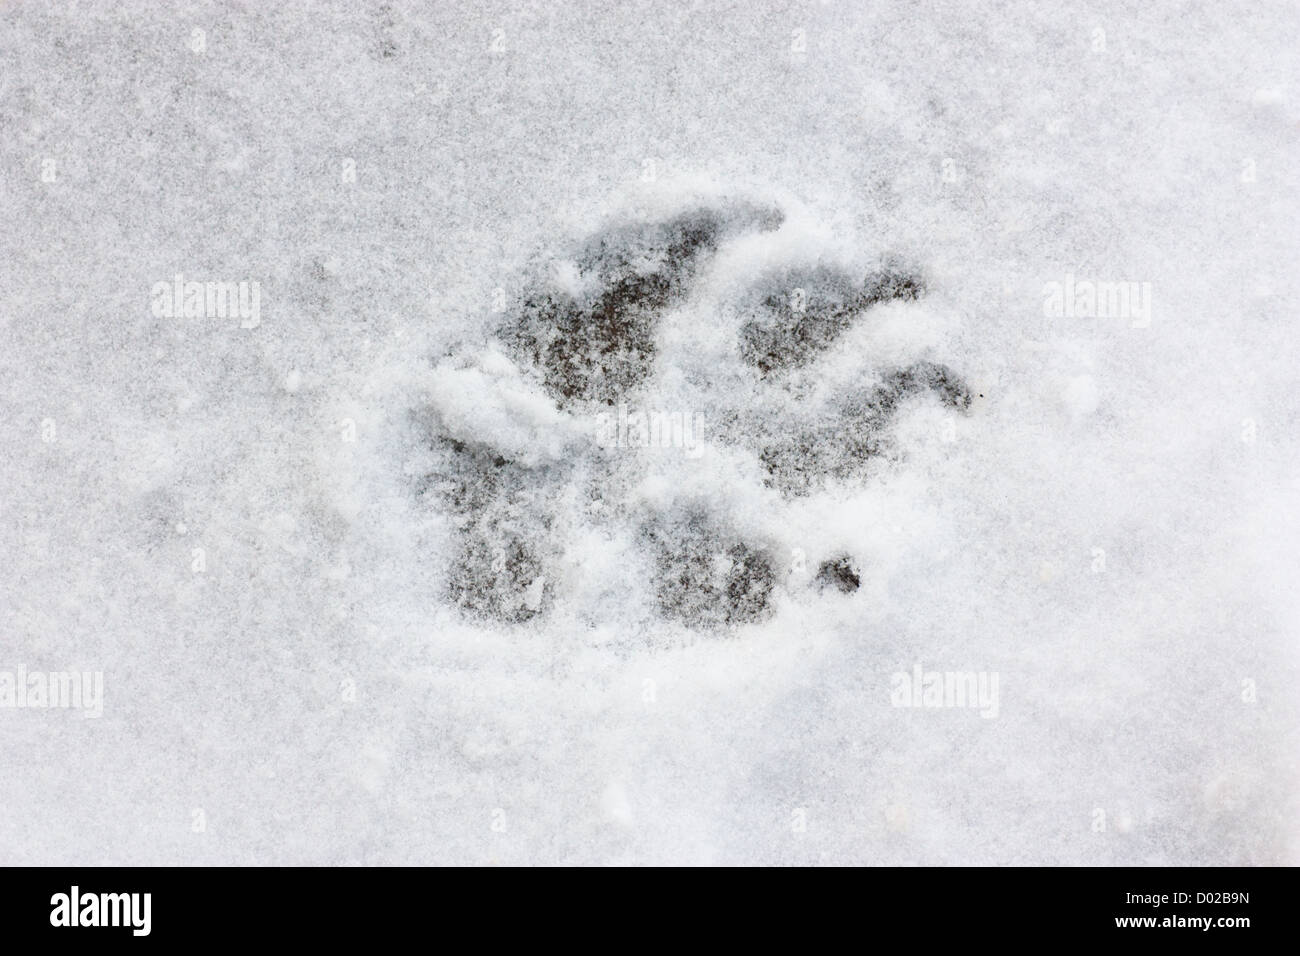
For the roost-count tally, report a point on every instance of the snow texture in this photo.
(608, 413)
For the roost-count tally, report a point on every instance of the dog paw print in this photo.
(655, 387)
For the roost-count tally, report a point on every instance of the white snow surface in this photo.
(226, 521)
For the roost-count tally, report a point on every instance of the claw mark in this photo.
(839, 573)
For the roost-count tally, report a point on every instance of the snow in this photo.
(234, 524)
